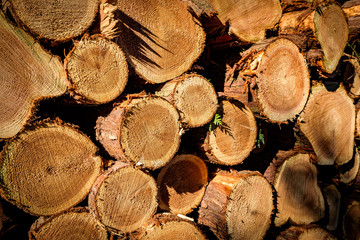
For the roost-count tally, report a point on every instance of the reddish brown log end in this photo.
(182, 183)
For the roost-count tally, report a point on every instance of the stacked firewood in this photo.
(179, 119)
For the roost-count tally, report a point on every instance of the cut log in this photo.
(352, 11)
(328, 122)
(182, 184)
(351, 221)
(351, 77)
(57, 20)
(97, 70)
(48, 168)
(299, 197)
(168, 226)
(232, 141)
(278, 73)
(145, 131)
(328, 26)
(193, 96)
(161, 39)
(332, 197)
(28, 74)
(237, 205)
(201, 7)
(349, 173)
(248, 19)
(76, 223)
(123, 198)
(304, 233)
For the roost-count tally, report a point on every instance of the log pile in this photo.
(179, 119)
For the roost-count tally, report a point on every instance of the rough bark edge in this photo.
(43, 220)
(32, 127)
(215, 218)
(55, 41)
(72, 91)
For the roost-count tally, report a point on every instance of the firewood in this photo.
(144, 130)
(57, 20)
(278, 73)
(248, 20)
(332, 198)
(326, 25)
(351, 77)
(182, 183)
(193, 96)
(123, 198)
(347, 175)
(328, 122)
(352, 11)
(97, 70)
(168, 226)
(305, 232)
(28, 74)
(237, 205)
(299, 197)
(232, 140)
(76, 223)
(153, 40)
(48, 168)
(351, 221)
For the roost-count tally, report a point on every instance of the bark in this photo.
(351, 221)
(48, 168)
(123, 198)
(150, 119)
(193, 96)
(232, 141)
(28, 74)
(237, 205)
(248, 20)
(97, 70)
(294, 177)
(169, 226)
(152, 37)
(56, 20)
(352, 11)
(327, 26)
(276, 76)
(76, 223)
(182, 184)
(328, 122)
(305, 232)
